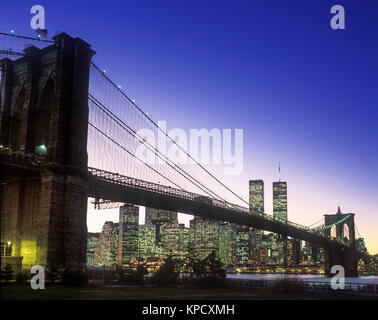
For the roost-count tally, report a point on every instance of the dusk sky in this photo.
(304, 94)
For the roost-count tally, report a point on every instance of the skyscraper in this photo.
(279, 245)
(256, 196)
(162, 219)
(226, 241)
(280, 201)
(128, 234)
(256, 205)
(156, 216)
(204, 237)
(106, 249)
(278, 249)
(147, 241)
(92, 240)
(242, 244)
(176, 241)
(293, 252)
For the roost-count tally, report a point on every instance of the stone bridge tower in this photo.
(345, 256)
(330, 219)
(44, 109)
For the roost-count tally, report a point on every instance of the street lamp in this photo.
(42, 150)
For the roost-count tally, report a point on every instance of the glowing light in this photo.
(42, 150)
(28, 251)
(12, 31)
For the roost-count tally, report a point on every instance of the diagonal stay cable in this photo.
(115, 142)
(135, 134)
(155, 124)
(316, 223)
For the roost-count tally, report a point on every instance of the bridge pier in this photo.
(44, 102)
(344, 256)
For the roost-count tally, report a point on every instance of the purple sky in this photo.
(304, 94)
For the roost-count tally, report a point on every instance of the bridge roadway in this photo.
(115, 187)
(119, 188)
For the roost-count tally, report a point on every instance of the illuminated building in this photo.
(147, 241)
(256, 205)
(242, 245)
(151, 264)
(278, 249)
(105, 252)
(226, 240)
(263, 254)
(280, 214)
(260, 257)
(293, 253)
(256, 196)
(92, 240)
(128, 234)
(161, 219)
(306, 253)
(360, 244)
(176, 241)
(280, 201)
(204, 237)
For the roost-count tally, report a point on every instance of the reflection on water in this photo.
(304, 277)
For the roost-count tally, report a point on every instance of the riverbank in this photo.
(15, 291)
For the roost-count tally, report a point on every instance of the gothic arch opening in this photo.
(333, 232)
(43, 114)
(346, 231)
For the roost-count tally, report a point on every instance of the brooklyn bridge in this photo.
(68, 132)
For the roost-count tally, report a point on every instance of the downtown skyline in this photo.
(293, 85)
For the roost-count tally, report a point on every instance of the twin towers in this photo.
(256, 199)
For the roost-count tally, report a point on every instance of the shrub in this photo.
(137, 277)
(75, 278)
(22, 277)
(119, 274)
(54, 273)
(7, 273)
(208, 273)
(167, 274)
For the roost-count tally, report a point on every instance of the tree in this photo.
(120, 274)
(167, 274)
(214, 267)
(7, 273)
(22, 277)
(210, 272)
(137, 276)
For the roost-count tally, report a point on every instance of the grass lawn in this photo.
(56, 292)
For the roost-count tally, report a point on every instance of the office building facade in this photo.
(128, 234)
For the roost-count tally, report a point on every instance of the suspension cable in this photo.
(132, 132)
(27, 38)
(115, 142)
(156, 125)
(316, 223)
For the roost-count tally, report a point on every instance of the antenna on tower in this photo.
(279, 171)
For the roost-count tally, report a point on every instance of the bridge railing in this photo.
(142, 184)
(310, 285)
(20, 158)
